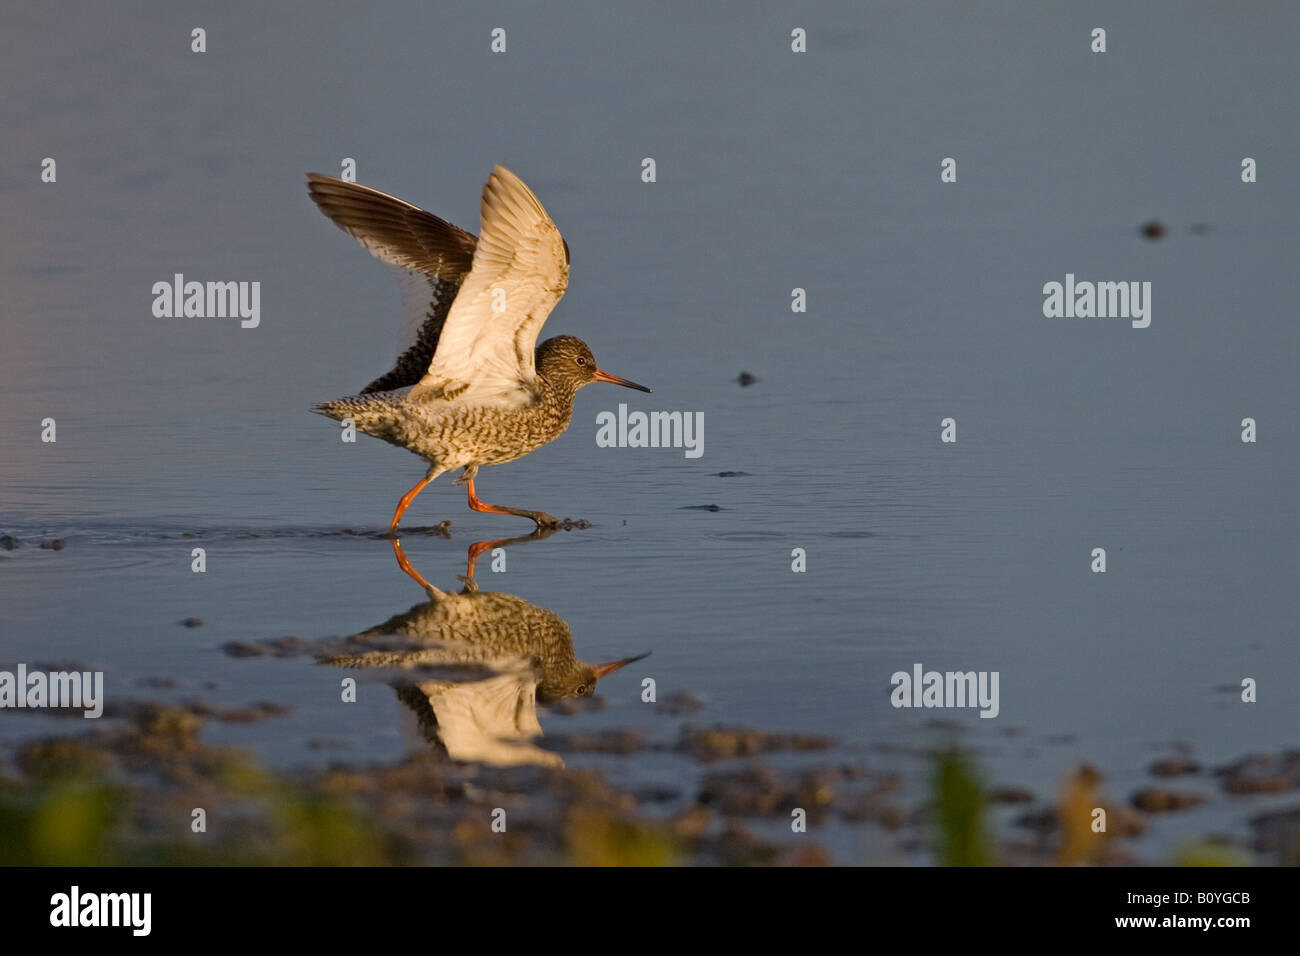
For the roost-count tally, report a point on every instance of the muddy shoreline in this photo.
(127, 791)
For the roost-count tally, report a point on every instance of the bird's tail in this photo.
(337, 410)
(374, 414)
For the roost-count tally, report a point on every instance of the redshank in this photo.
(482, 626)
(494, 657)
(469, 388)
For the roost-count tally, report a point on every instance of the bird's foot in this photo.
(550, 523)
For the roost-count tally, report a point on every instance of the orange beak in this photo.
(600, 376)
(602, 669)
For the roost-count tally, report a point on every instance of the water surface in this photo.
(775, 171)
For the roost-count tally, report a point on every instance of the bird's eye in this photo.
(581, 360)
(582, 689)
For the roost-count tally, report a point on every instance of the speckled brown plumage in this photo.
(450, 434)
(481, 627)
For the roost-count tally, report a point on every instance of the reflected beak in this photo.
(615, 380)
(602, 669)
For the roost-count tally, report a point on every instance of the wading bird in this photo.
(481, 663)
(470, 387)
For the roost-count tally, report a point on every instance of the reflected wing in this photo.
(520, 270)
(431, 257)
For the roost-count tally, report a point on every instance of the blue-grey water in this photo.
(775, 170)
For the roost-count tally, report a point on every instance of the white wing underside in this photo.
(520, 271)
(490, 721)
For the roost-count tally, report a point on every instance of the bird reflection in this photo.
(485, 659)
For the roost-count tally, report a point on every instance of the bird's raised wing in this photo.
(521, 269)
(431, 257)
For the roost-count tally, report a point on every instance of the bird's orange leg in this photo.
(477, 548)
(408, 498)
(406, 566)
(541, 518)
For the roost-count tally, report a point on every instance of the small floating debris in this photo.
(1262, 773)
(680, 702)
(733, 474)
(1154, 229)
(1011, 795)
(720, 743)
(10, 543)
(746, 378)
(701, 508)
(58, 544)
(1153, 800)
(243, 649)
(192, 622)
(1174, 767)
(254, 713)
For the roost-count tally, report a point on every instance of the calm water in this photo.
(774, 171)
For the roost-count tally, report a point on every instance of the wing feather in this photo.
(520, 271)
(430, 256)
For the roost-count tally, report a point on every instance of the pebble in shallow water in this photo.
(1154, 800)
(1174, 767)
(1262, 773)
(721, 743)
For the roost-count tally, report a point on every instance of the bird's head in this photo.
(567, 360)
(580, 680)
